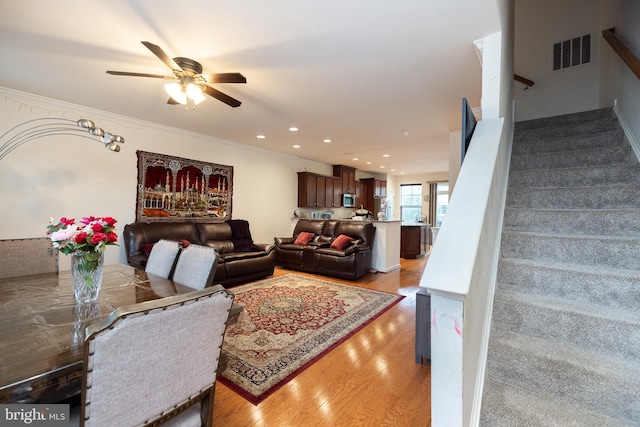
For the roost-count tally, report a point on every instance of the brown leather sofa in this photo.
(241, 260)
(317, 256)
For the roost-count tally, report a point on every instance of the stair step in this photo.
(609, 331)
(567, 129)
(587, 197)
(576, 176)
(506, 405)
(608, 385)
(564, 119)
(588, 284)
(606, 222)
(613, 155)
(596, 140)
(610, 251)
(564, 347)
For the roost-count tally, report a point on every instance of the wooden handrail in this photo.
(621, 49)
(521, 79)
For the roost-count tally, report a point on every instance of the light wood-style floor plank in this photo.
(371, 379)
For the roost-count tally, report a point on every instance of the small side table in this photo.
(423, 326)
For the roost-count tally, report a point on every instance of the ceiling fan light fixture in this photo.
(194, 92)
(175, 91)
(188, 86)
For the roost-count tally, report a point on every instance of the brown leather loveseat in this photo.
(334, 248)
(241, 260)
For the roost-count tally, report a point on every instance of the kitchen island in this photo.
(415, 239)
(386, 246)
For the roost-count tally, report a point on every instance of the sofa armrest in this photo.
(267, 247)
(357, 248)
(284, 240)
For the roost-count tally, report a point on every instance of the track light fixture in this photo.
(39, 128)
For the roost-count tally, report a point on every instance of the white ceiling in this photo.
(359, 72)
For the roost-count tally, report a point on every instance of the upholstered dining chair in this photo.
(196, 266)
(162, 258)
(154, 363)
(23, 257)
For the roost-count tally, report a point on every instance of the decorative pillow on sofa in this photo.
(303, 238)
(146, 248)
(341, 242)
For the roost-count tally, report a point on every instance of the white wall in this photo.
(538, 25)
(628, 88)
(73, 176)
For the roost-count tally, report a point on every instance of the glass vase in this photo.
(83, 315)
(86, 275)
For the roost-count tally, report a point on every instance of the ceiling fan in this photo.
(188, 84)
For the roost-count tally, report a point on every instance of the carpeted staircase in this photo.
(564, 348)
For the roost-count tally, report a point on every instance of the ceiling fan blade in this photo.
(157, 51)
(222, 97)
(225, 78)
(125, 73)
(172, 101)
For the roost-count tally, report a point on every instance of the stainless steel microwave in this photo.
(349, 200)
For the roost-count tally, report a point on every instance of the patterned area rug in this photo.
(288, 323)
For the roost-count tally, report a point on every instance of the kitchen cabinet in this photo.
(379, 188)
(347, 176)
(307, 189)
(315, 190)
(414, 240)
(372, 188)
(333, 192)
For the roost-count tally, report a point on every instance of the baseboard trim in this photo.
(635, 145)
(388, 269)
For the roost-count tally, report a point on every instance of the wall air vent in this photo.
(572, 52)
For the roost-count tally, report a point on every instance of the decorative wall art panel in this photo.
(175, 189)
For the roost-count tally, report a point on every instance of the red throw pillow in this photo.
(341, 242)
(303, 238)
(146, 248)
(185, 243)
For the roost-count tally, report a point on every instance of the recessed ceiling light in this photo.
(406, 132)
(392, 170)
(355, 159)
(382, 167)
(385, 155)
(368, 163)
(296, 146)
(261, 137)
(293, 129)
(327, 140)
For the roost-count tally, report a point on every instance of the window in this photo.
(438, 202)
(411, 202)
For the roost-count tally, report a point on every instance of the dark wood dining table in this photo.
(42, 328)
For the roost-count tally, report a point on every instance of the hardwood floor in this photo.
(371, 379)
